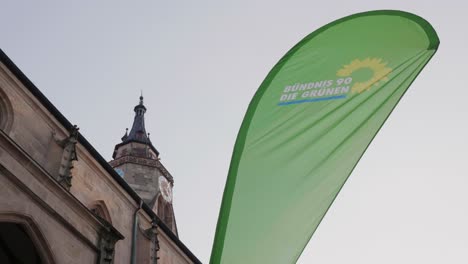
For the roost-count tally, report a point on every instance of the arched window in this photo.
(22, 242)
(168, 216)
(160, 206)
(165, 212)
(6, 112)
(99, 208)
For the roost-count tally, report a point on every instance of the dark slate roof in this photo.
(138, 131)
(82, 140)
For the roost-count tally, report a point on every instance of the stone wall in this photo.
(71, 233)
(169, 253)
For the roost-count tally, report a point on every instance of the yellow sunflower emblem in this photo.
(379, 70)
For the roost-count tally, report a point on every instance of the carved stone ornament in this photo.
(153, 233)
(68, 156)
(107, 242)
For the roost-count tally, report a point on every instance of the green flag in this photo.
(307, 127)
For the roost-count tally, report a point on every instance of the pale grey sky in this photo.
(200, 62)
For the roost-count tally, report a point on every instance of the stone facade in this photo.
(72, 204)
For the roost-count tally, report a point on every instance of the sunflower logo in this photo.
(379, 70)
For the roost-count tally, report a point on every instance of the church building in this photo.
(62, 202)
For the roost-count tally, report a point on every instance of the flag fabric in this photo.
(308, 125)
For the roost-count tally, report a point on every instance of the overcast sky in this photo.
(200, 62)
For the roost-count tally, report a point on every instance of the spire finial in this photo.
(126, 134)
(141, 97)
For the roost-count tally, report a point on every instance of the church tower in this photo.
(137, 161)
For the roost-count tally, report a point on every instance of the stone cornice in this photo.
(145, 162)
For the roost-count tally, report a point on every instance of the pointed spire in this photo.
(138, 131)
(126, 134)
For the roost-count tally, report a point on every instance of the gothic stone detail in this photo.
(155, 245)
(6, 112)
(68, 156)
(108, 238)
(99, 209)
(152, 234)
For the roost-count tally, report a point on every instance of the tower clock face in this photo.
(165, 188)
